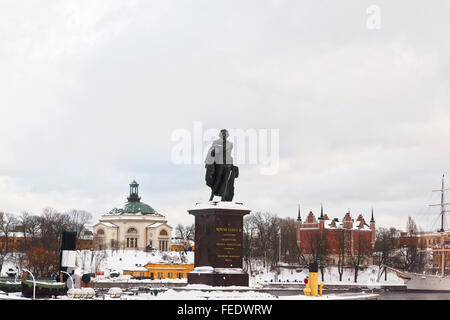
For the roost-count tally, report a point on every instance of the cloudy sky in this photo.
(92, 91)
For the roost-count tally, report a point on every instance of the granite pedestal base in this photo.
(219, 279)
(218, 244)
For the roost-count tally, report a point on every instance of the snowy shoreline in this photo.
(285, 282)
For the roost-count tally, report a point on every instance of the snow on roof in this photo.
(203, 269)
(339, 225)
(13, 234)
(109, 224)
(155, 225)
(136, 269)
(132, 217)
(220, 205)
(158, 224)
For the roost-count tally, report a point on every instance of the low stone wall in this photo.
(332, 288)
(279, 289)
(136, 285)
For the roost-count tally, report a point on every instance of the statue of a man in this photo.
(220, 171)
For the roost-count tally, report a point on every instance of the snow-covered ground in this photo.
(116, 261)
(108, 261)
(214, 295)
(236, 295)
(367, 276)
(120, 260)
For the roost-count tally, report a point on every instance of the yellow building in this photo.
(179, 244)
(160, 271)
(182, 247)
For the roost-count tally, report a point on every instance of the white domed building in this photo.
(134, 226)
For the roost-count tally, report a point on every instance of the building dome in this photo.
(134, 205)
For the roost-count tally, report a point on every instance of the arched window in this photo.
(132, 230)
(100, 232)
(163, 233)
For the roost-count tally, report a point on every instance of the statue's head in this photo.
(223, 133)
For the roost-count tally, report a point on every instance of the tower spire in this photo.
(372, 219)
(299, 218)
(134, 192)
(321, 211)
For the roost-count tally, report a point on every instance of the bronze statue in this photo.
(220, 171)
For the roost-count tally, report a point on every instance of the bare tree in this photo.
(42, 236)
(411, 257)
(114, 245)
(359, 254)
(29, 224)
(318, 250)
(91, 260)
(78, 221)
(52, 224)
(249, 238)
(185, 232)
(302, 257)
(411, 227)
(98, 243)
(265, 236)
(98, 258)
(257, 220)
(341, 251)
(266, 227)
(289, 248)
(42, 255)
(8, 223)
(386, 243)
(274, 237)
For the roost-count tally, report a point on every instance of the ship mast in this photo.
(442, 230)
(442, 204)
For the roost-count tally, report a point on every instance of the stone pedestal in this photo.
(218, 244)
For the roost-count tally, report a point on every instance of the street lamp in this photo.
(73, 286)
(279, 247)
(34, 283)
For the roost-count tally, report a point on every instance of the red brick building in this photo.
(358, 236)
(431, 242)
(17, 242)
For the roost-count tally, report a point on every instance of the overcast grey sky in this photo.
(91, 91)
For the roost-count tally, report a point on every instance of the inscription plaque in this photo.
(218, 244)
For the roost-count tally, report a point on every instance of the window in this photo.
(131, 242)
(100, 232)
(163, 245)
(163, 233)
(132, 230)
